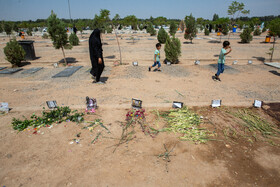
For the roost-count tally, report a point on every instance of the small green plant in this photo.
(45, 36)
(206, 32)
(191, 30)
(173, 28)
(246, 36)
(172, 49)
(225, 29)
(264, 29)
(8, 28)
(73, 39)
(162, 36)
(257, 32)
(14, 52)
(29, 31)
(48, 118)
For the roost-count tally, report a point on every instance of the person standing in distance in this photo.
(96, 56)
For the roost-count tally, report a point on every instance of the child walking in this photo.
(156, 58)
(222, 59)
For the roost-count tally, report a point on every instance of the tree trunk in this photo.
(62, 48)
(119, 47)
(272, 49)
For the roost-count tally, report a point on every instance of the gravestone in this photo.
(67, 72)
(2, 68)
(31, 70)
(10, 71)
(273, 64)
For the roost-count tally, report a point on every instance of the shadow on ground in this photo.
(274, 72)
(69, 60)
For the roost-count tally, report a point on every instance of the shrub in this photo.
(29, 31)
(8, 28)
(173, 28)
(206, 32)
(172, 49)
(257, 32)
(191, 30)
(264, 29)
(246, 36)
(73, 39)
(141, 27)
(225, 29)
(45, 36)
(162, 35)
(14, 52)
(151, 30)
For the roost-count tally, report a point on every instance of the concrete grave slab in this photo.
(273, 64)
(67, 72)
(1, 68)
(10, 71)
(31, 70)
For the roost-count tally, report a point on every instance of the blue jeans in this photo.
(157, 63)
(220, 68)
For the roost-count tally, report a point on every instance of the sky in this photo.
(22, 10)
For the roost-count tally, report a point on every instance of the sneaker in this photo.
(159, 69)
(149, 68)
(219, 79)
(100, 82)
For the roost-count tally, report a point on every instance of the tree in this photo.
(101, 21)
(182, 25)
(257, 32)
(215, 17)
(151, 29)
(200, 23)
(14, 52)
(8, 28)
(206, 32)
(246, 36)
(162, 36)
(234, 10)
(131, 21)
(116, 20)
(173, 28)
(172, 49)
(1, 27)
(191, 31)
(80, 25)
(15, 27)
(73, 39)
(57, 32)
(274, 30)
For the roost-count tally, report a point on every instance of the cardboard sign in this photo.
(177, 104)
(136, 103)
(51, 104)
(216, 103)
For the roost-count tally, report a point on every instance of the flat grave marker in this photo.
(67, 72)
(31, 70)
(1, 68)
(273, 64)
(10, 71)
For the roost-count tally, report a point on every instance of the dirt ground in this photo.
(48, 158)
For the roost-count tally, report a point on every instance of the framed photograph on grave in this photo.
(135, 63)
(136, 103)
(51, 104)
(257, 104)
(177, 104)
(216, 103)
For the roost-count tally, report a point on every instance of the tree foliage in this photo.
(215, 17)
(151, 29)
(182, 25)
(8, 28)
(236, 8)
(14, 52)
(257, 32)
(131, 21)
(172, 49)
(191, 31)
(102, 21)
(57, 33)
(73, 39)
(162, 36)
(173, 28)
(246, 35)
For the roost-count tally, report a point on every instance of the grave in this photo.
(67, 72)
(1, 68)
(273, 64)
(227, 68)
(31, 70)
(10, 71)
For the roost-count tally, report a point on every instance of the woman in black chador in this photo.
(96, 55)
